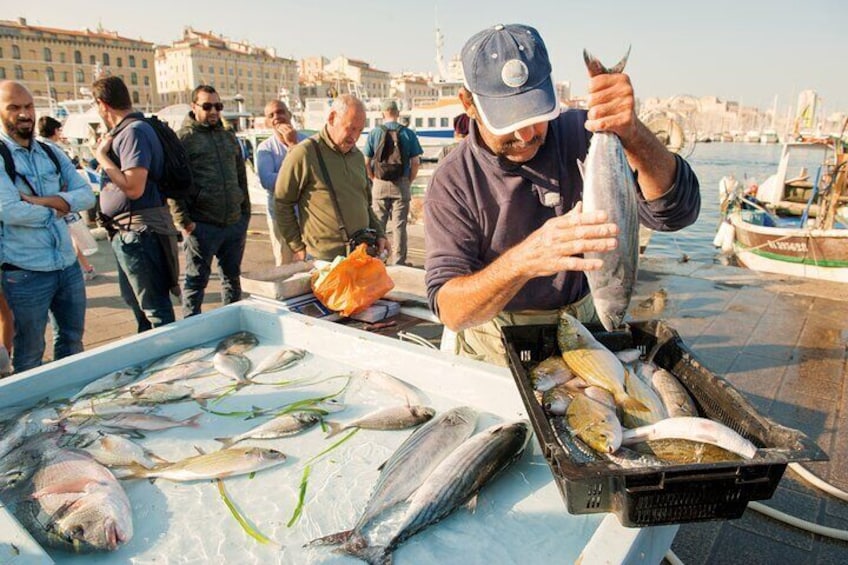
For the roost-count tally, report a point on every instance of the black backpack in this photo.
(176, 181)
(388, 164)
(9, 162)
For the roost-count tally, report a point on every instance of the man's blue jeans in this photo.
(144, 278)
(34, 296)
(226, 244)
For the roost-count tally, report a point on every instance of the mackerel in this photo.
(409, 465)
(453, 483)
(609, 185)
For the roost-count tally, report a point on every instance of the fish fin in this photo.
(68, 487)
(630, 403)
(199, 450)
(335, 428)
(382, 465)
(337, 538)
(597, 68)
(472, 504)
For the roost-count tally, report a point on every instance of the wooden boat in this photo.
(795, 225)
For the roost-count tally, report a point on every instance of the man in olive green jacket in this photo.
(313, 228)
(214, 222)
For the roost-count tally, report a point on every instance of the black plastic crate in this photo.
(674, 493)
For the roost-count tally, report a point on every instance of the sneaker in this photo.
(90, 274)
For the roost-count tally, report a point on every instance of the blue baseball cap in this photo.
(507, 70)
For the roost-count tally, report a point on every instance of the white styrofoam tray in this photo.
(520, 517)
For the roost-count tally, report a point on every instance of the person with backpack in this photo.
(41, 277)
(392, 157)
(214, 220)
(133, 208)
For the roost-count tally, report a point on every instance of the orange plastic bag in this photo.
(354, 284)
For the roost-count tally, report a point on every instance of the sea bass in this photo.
(609, 185)
(229, 462)
(410, 464)
(595, 423)
(391, 418)
(453, 483)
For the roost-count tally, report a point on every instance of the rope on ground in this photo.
(672, 558)
(818, 482)
(798, 522)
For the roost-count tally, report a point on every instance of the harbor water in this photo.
(711, 162)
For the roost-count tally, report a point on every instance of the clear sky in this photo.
(748, 51)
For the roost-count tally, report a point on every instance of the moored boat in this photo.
(796, 224)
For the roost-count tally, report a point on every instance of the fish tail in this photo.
(337, 538)
(193, 421)
(136, 471)
(597, 68)
(358, 546)
(335, 428)
(225, 441)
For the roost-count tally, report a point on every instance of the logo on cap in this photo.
(515, 73)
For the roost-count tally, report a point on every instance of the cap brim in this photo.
(505, 115)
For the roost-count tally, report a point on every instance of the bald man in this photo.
(41, 275)
(269, 160)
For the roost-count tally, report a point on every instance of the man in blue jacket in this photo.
(41, 275)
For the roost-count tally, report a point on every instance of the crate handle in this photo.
(716, 475)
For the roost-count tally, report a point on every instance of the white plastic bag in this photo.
(81, 235)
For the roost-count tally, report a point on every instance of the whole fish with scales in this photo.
(609, 185)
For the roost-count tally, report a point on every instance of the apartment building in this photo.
(237, 70)
(56, 64)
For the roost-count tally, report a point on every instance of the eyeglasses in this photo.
(207, 106)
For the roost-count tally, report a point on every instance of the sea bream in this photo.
(609, 185)
(73, 502)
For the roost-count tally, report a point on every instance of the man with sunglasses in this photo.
(214, 222)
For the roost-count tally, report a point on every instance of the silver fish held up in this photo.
(609, 185)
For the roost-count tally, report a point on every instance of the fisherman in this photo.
(269, 160)
(392, 194)
(41, 276)
(214, 222)
(322, 178)
(505, 231)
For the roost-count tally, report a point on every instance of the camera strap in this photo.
(328, 180)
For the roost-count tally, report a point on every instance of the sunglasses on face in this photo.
(207, 106)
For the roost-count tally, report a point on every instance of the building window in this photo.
(64, 76)
(48, 55)
(146, 81)
(50, 74)
(77, 57)
(53, 94)
(133, 78)
(106, 59)
(132, 60)
(119, 61)
(92, 60)
(80, 75)
(2, 72)
(211, 70)
(16, 52)
(144, 63)
(62, 57)
(19, 72)
(135, 96)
